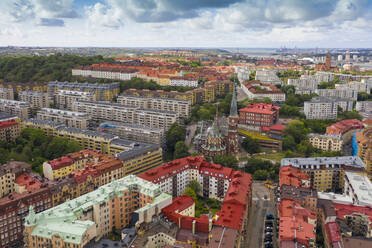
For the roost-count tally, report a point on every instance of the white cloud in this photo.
(103, 15)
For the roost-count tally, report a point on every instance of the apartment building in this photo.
(63, 166)
(182, 107)
(7, 93)
(137, 157)
(183, 81)
(134, 132)
(329, 76)
(363, 86)
(326, 173)
(259, 114)
(231, 187)
(338, 93)
(324, 108)
(37, 100)
(296, 225)
(258, 90)
(94, 215)
(69, 118)
(8, 173)
(103, 92)
(63, 99)
(10, 127)
(326, 142)
(102, 111)
(14, 207)
(105, 72)
(18, 108)
(345, 128)
(363, 106)
(19, 87)
(304, 85)
(364, 148)
(268, 77)
(359, 188)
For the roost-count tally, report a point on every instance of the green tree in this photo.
(181, 150)
(190, 192)
(251, 145)
(226, 160)
(297, 130)
(194, 185)
(173, 135)
(349, 115)
(260, 175)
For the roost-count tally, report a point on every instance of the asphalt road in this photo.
(240, 94)
(191, 129)
(260, 207)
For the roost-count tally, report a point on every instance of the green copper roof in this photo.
(234, 105)
(63, 219)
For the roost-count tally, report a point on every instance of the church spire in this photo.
(234, 105)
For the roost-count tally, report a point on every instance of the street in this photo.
(260, 207)
(191, 131)
(240, 94)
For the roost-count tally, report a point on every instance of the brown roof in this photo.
(352, 242)
(15, 167)
(222, 237)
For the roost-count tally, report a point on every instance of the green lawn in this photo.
(272, 156)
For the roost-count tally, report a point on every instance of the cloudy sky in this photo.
(187, 23)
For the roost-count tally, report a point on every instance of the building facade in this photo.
(94, 215)
(324, 108)
(182, 107)
(103, 92)
(259, 114)
(326, 173)
(69, 118)
(7, 93)
(37, 100)
(18, 108)
(364, 142)
(10, 127)
(63, 99)
(134, 132)
(326, 142)
(103, 111)
(258, 90)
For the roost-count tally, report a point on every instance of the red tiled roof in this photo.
(260, 108)
(292, 176)
(347, 209)
(9, 123)
(236, 198)
(179, 204)
(333, 232)
(28, 182)
(343, 126)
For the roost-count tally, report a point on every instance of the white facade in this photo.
(115, 75)
(364, 106)
(323, 108)
(359, 188)
(184, 82)
(339, 93)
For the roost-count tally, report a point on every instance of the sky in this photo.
(187, 23)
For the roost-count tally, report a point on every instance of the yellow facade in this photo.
(326, 179)
(365, 149)
(143, 163)
(164, 81)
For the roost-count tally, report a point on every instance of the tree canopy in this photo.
(180, 150)
(34, 147)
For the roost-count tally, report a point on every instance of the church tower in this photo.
(232, 136)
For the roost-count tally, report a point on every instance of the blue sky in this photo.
(188, 23)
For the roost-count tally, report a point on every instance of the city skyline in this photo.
(165, 23)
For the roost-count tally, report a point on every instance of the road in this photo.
(240, 94)
(191, 129)
(260, 207)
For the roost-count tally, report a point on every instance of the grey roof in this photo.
(88, 132)
(131, 125)
(136, 148)
(353, 161)
(152, 98)
(48, 122)
(321, 99)
(6, 116)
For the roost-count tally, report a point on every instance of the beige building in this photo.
(63, 99)
(92, 216)
(21, 109)
(134, 132)
(8, 173)
(182, 107)
(69, 118)
(102, 111)
(6, 93)
(326, 142)
(38, 100)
